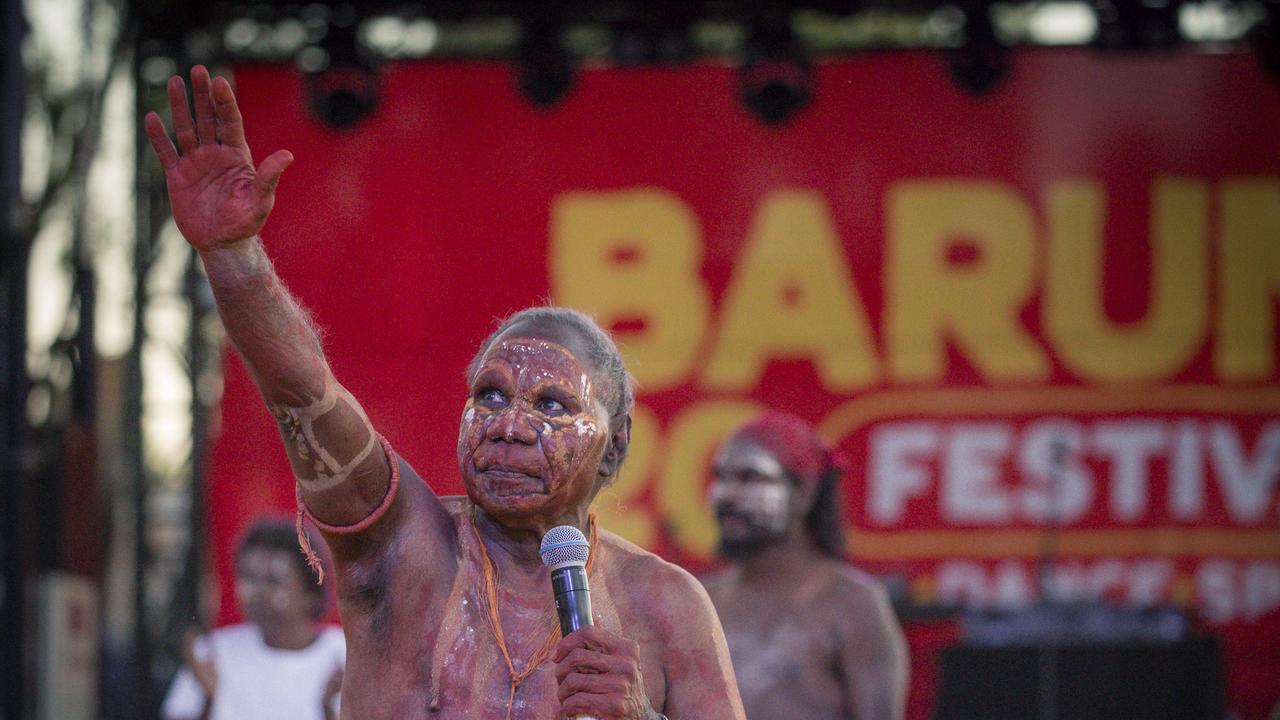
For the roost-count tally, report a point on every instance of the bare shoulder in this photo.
(652, 582)
(859, 606)
(639, 564)
(454, 505)
(682, 624)
(852, 580)
(850, 589)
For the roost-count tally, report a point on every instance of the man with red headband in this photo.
(810, 636)
(445, 603)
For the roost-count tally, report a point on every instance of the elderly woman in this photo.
(445, 603)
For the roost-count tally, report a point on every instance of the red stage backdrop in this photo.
(1055, 301)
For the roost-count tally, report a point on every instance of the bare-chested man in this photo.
(810, 636)
(445, 602)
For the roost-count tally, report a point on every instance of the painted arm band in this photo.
(303, 511)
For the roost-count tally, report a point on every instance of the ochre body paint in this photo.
(412, 569)
(530, 421)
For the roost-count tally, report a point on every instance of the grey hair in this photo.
(602, 352)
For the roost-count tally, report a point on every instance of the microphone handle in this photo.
(573, 602)
(573, 598)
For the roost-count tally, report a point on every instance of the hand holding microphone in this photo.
(598, 672)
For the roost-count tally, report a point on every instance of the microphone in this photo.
(565, 551)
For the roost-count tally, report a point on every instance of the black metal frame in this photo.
(15, 530)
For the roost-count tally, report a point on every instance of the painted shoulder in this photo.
(670, 583)
(454, 505)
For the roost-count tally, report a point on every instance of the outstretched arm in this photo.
(220, 201)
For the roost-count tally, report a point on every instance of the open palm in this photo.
(216, 194)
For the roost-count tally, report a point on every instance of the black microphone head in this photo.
(564, 546)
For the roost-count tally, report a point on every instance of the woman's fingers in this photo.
(160, 141)
(581, 660)
(230, 124)
(206, 122)
(183, 128)
(592, 684)
(270, 170)
(591, 637)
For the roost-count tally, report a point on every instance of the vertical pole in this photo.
(135, 469)
(15, 545)
(184, 610)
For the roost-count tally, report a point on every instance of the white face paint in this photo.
(585, 427)
(763, 505)
(751, 493)
(314, 465)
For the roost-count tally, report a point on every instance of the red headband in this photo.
(794, 442)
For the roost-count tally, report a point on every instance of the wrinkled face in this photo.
(751, 496)
(270, 589)
(533, 432)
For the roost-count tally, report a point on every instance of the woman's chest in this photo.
(468, 656)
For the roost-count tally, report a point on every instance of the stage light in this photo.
(1138, 24)
(1062, 23)
(288, 37)
(1217, 21)
(383, 35)
(420, 37)
(341, 82)
(982, 60)
(652, 39)
(776, 79)
(544, 66)
(240, 34)
(1265, 38)
(157, 69)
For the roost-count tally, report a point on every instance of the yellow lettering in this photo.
(791, 297)
(972, 301)
(1249, 279)
(631, 257)
(1075, 318)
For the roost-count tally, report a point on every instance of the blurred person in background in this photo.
(810, 636)
(282, 663)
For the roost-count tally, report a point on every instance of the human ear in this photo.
(616, 449)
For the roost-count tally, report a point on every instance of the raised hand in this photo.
(599, 676)
(217, 196)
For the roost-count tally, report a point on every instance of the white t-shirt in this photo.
(258, 682)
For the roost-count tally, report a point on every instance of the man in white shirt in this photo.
(281, 663)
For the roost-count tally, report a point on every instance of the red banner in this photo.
(1053, 306)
